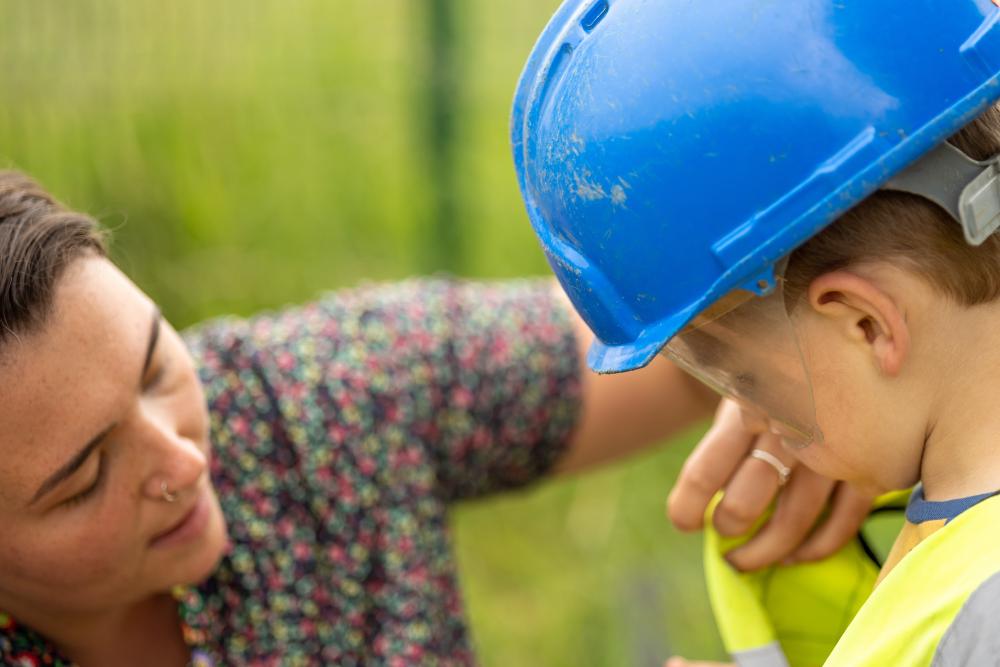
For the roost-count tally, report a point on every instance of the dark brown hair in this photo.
(912, 232)
(39, 238)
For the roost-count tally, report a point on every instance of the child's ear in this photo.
(865, 314)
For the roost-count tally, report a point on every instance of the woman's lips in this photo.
(191, 525)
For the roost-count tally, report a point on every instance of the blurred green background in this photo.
(250, 154)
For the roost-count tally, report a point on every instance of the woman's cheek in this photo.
(100, 549)
(60, 560)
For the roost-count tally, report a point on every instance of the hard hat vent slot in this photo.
(594, 15)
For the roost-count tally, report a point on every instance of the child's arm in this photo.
(625, 413)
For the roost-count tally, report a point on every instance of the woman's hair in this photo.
(912, 232)
(39, 238)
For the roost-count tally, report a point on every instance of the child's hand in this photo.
(722, 461)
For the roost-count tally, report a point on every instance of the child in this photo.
(682, 165)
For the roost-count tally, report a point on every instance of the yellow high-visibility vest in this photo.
(785, 615)
(827, 613)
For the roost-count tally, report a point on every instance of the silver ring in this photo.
(170, 497)
(767, 457)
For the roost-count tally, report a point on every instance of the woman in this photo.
(273, 491)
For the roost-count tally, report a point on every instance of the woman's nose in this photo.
(176, 463)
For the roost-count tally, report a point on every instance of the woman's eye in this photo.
(156, 378)
(90, 490)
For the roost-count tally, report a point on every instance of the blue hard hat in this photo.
(671, 151)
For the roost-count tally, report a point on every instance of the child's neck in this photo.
(962, 462)
(961, 455)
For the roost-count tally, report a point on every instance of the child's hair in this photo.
(39, 238)
(912, 231)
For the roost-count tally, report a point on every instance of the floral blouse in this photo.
(341, 431)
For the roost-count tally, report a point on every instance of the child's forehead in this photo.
(721, 308)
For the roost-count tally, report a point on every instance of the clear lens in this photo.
(750, 353)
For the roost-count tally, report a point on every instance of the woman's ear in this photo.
(865, 314)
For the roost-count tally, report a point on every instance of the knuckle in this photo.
(764, 550)
(819, 548)
(699, 479)
(795, 517)
(735, 512)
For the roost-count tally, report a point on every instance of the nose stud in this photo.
(168, 495)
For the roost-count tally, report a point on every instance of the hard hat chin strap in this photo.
(969, 190)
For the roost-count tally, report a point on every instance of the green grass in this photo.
(250, 154)
(586, 571)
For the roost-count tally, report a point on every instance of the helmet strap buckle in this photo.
(968, 190)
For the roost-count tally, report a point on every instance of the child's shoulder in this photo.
(972, 638)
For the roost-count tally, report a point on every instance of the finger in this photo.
(708, 468)
(848, 511)
(798, 507)
(751, 490)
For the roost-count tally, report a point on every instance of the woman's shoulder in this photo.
(366, 320)
(20, 645)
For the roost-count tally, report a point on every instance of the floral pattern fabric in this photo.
(341, 432)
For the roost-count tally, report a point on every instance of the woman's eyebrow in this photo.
(154, 336)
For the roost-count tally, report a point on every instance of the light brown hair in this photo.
(911, 231)
(39, 238)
